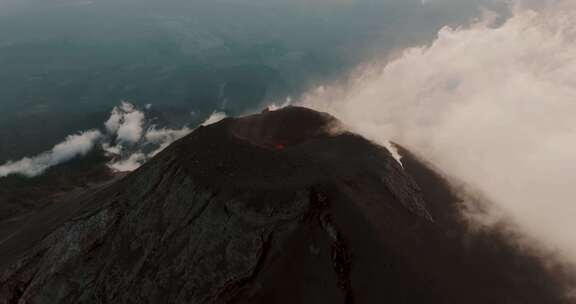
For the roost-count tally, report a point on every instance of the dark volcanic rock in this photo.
(271, 208)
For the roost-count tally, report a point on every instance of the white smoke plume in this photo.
(73, 146)
(492, 105)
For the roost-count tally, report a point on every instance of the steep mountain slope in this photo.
(280, 207)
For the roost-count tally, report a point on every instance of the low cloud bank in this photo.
(129, 138)
(73, 146)
(491, 105)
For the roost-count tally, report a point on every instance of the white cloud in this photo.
(71, 147)
(492, 106)
(126, 122)
(275, 106)
(164, 137)
(214, 118)
(131, 128)
(113, 123)
(112, 150)
(134, 141)
(130, 141)
(133, 162)
(131, 158)
(75, 145)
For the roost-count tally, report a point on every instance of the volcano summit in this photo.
(279, 207)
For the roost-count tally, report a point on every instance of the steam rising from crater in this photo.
(493, 106)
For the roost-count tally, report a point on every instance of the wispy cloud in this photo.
(132, 139)
(73, 146)
(129, 139)
(130, 163)
(214, 118)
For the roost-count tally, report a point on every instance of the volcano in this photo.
(280, 207)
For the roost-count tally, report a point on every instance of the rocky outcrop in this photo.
(279, 207)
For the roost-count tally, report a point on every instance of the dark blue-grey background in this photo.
(65, 63)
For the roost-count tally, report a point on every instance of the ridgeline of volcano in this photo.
(278, 207)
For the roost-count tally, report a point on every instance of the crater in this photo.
(281, 129)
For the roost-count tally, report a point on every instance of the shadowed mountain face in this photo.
(271, 208)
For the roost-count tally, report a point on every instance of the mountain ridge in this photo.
(270, 208)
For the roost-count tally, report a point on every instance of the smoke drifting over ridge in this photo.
(491, 105)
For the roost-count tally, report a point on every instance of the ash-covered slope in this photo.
(278, 207)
